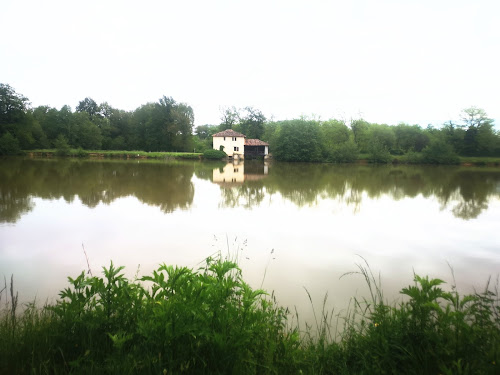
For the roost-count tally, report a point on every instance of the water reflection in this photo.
(465, 191)
(167, 186)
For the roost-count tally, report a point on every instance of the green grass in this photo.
(120, 154)
(480, 160)
(464, 160)
(209, 321)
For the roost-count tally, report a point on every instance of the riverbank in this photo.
(205, 321)
(121, 154)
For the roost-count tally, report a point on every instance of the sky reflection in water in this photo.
(303, 225)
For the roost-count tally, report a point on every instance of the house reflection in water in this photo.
(235, 173)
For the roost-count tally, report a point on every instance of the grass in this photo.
(464, 160)
(209, 321)
(480, 160)
(120, 154)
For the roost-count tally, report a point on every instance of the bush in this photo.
(199, 322)
(344, 153)
(9, 145)
(214, 154)
(61, 145)
(81, 153)
(379, 154)
(439, 152)
(412, 157)
(209, 321)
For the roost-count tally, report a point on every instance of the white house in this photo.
(236, 146)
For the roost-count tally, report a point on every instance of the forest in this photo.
(167, 125)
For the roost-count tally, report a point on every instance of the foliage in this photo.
(9, 145)
(214, 154)
(297, 140)
(13, 106)
(343, 153)
(61, 145)
(167, 126)
(204, 321)
(439, 152)
(252, 123)
(210, 321)
(379, 153)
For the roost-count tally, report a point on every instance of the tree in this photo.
(61, 145)
(360, 131)
(439, 152)
(297, 140)
(9, 145)
(410, 137)
(479, 139)
(252, 123)
(205, 131)
(13, 106)
(89, 106)
(229, 117)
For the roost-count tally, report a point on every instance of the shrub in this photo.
(344, 153)
(81, 153)
(379, 153)
(61, 145)
(412, 157)
(439, 152)
(214, 154)
(9, 145)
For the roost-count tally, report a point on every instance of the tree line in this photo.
(308, 139)
(167, 125)
(164, 125)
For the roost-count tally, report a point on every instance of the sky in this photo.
(387, 61)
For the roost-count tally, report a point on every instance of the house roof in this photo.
(228, 133)
(255, 142)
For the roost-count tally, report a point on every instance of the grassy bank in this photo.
(209, 321)
(115, 154)
(478, 161)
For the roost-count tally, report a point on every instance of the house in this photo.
(236, 146)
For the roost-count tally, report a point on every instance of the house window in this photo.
(235, 170)
(234, 138)
(224, 138)
(236, 149)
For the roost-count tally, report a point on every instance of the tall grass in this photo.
(209, 321)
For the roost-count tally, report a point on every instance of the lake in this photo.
(291, 226)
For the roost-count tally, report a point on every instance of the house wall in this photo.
(229, 145)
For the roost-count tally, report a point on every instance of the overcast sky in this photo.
(386, 61)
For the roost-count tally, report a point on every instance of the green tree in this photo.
(409, 137)
(480, 138)
(439, 152)
(360, 130)
(252, 123)
(337, 145)
(229, 116)
(297, 140)
(61, 145)
(13, 106)
(9, 145)
(89, 106)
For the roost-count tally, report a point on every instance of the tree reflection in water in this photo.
(168, 185)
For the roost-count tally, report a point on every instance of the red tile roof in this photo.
(228, 133)
(255, 142)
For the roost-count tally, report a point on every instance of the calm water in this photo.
(293, 226)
